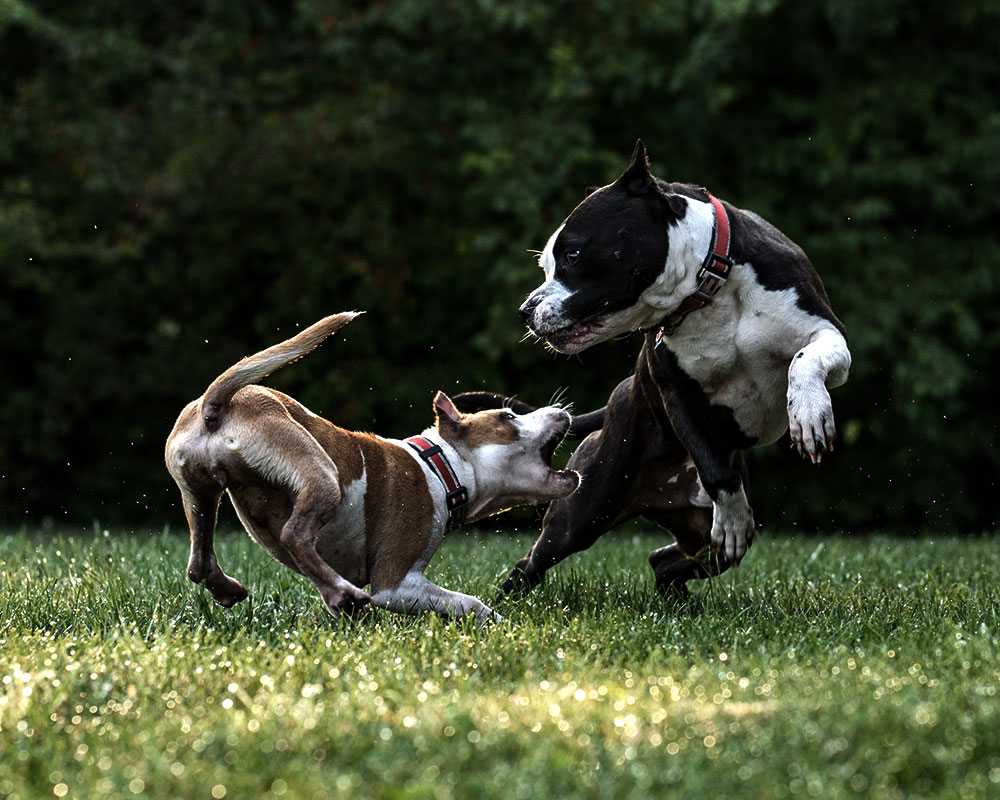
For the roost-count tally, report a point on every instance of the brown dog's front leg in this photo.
(298, 538)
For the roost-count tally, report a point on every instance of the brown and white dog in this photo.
(351, 509)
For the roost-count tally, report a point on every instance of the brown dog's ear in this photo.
(446, 416)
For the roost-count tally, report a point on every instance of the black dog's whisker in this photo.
(747, 362)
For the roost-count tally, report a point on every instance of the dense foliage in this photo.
(184, 183)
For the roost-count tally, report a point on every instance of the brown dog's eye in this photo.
(509, 415)
(572, 256)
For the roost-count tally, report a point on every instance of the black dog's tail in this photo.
(581, 426)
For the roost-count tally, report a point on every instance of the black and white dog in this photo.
(740, 345)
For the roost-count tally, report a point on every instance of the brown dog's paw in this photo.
(226, 591)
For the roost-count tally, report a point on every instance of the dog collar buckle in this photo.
(712, 278)
(456, 500)
(456, 495)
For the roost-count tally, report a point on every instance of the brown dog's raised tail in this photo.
(253, 368)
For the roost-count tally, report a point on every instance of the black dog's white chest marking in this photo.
(740, 348)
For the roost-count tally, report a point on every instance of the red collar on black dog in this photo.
(456, 495)
(713, 274)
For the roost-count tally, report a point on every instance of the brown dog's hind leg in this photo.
(297, 465)
(202, 513)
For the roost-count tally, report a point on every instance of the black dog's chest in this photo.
(735, 354)
(730, 410)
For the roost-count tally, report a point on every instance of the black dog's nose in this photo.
(527, 309)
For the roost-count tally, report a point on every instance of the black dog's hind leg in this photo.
(609, 462)
(692, 555)
(673, 568)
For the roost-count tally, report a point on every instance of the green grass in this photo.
(836, 667)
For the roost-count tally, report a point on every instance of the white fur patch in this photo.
(739, 349)
(822, 364)
(690, 239)
(341, 543)
(416, 593)
(547, 260)
(350, 514)
(699, 497)
(549, 314)
(732, 524)
(268, 463)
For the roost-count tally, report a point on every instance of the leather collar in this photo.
(712, 276)
(456, 495)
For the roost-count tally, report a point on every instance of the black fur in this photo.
(663, 442)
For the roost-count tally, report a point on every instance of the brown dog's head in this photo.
(510, 454)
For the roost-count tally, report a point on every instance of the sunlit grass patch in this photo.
(846, 666)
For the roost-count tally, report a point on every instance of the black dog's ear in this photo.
(590, 190)
(637, 180)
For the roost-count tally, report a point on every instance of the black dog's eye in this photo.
(572, 256)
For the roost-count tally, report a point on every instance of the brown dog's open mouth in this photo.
(548, 450)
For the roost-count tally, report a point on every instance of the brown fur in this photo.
(391, 555)
(482, 430)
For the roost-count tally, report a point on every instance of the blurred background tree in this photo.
(184, 183)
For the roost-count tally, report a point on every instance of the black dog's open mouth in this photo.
(573, 336)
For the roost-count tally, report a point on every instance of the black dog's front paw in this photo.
(519, 582)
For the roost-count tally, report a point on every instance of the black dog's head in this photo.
(605, 264)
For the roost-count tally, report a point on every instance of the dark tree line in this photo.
(184, 183)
